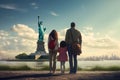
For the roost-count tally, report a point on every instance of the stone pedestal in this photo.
(40, 48)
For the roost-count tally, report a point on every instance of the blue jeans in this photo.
(72, 60)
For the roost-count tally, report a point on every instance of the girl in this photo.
(62, 57)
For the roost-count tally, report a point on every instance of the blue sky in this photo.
(98, 21)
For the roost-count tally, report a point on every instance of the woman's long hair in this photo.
(54, 34)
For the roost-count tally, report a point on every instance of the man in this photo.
(72, 35)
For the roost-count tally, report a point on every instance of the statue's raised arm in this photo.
(41, 30)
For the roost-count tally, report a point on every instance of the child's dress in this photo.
(62, 54)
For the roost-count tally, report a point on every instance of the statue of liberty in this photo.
(40, 50)
(41, 30)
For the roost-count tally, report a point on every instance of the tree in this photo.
(22, 56)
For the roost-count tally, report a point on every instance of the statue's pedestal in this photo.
(40, 46)
(40, 50)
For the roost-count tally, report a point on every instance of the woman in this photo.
(52, 47)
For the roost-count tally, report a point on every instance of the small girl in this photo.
(62, 57)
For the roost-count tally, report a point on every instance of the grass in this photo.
(46, 67)
(15, 68)
(110, 68)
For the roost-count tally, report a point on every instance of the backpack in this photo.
(51, 44)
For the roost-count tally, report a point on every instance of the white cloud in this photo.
(24, 41)
(92, 40)
(3, 33)
(97, 44)
(26, 38)
(34, 5)
(11, 7)
(61, 34)
(25, 31)
(88, 28)
(53, 13)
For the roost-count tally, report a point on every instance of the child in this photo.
(62, 57)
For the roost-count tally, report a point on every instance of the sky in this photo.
(97, 20)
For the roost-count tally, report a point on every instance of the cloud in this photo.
(93, 43)
(25, 38)
(2, 54)
(3, 33)
(95, 40)
(24, 31)
(24, 41)
(3, 36)
(34, 5)
(61, 34)
(11, 7)
(53, 13)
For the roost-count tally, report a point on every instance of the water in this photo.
(90, 64)
(105, 63)
(81, 64)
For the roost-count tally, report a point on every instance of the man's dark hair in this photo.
(72, 24)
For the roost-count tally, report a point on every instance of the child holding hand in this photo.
(62, 57)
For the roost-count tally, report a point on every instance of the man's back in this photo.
(73, 35)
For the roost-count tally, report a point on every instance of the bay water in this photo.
(81, 64)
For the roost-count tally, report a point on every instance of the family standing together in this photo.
(66, 50)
